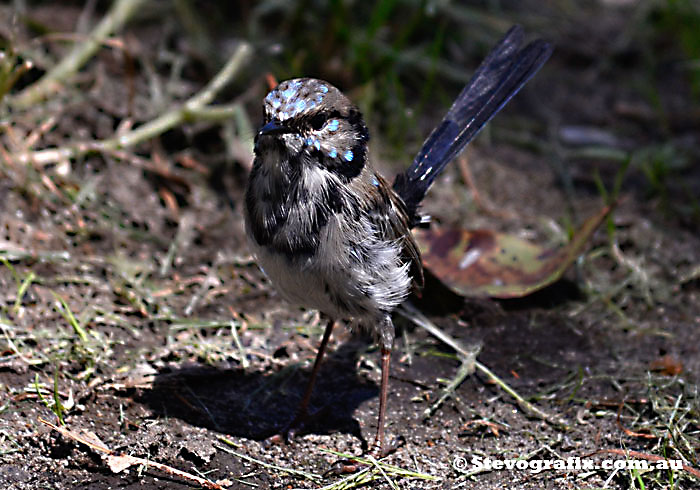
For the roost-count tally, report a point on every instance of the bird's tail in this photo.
(499, 77)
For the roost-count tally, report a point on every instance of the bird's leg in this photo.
(303, 409)
(386, 338)
(378, 448)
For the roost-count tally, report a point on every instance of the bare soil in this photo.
(190, 359)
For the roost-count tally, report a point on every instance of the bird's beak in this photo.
(274, 127)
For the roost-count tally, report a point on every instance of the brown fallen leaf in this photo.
(479, 263)
(119, 462)
(667, 365)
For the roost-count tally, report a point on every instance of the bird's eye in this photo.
(317, 121)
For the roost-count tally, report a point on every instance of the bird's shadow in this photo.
(256, 405)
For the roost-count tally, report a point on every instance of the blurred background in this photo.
(622, 87)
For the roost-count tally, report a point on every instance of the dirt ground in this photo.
(134, 318)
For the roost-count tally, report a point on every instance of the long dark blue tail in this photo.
(499, 77)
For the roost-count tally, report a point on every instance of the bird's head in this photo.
(310, 122)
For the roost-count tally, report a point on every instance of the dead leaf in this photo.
(486, 263)
(667, 365)
(119, 462)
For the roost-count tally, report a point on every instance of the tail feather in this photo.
(499, 77)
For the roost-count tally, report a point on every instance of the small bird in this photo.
(329, 232)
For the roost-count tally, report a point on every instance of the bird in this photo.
(330, 232)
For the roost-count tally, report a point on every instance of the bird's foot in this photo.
(287, 434)
(345, 466)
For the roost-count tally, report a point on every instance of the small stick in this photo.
(468, 178)
(410, 312)
(118, 15)
(120, 461)
(196, 105)
(269, 466)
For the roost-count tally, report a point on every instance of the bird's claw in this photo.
(345, 466)
(288, 433)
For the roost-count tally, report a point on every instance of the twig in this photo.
(629, 432)
(410, 312)
(217, 113)
(6, 329)
(118, 15)
(118, 462)
(303, 474)
(355, 480)
(465, 369)
(195, 106)
(422, 321)
(524, 405)
(389, 469)
(376, 464)
(467, 358)
(12, 252)
(481, 203)
(236, 339)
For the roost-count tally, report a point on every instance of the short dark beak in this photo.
(274, 127)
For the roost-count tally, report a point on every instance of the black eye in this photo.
(317, 121)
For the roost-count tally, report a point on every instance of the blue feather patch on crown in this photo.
(292, 98)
